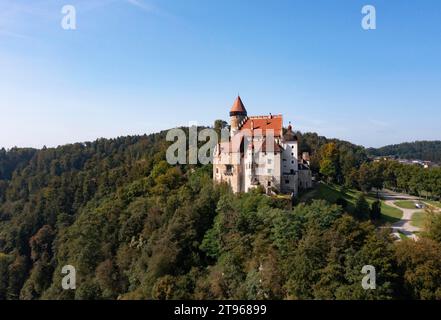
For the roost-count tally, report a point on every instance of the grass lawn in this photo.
(402, 235)
(405, 204)
(390, 214)
(418, 219)
(331, 193)
(433, 203)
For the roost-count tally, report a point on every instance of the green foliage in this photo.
(419, 265)
(346, 164)
(135, 227)
(334, 158)
(362, 208)
(329, 163)
(432, 225)
(406, 178)
(14, 159)
(375, 212)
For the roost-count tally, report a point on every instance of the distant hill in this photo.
(422, 150)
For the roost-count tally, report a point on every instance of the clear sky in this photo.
(139, 66)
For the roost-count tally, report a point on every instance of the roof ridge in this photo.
(266, 116)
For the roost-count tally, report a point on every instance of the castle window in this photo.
(292, 171)
(270, 171)
(269, 161)
(292, 161)
(287, 181)
(292, 154)
(269, 183)
(217, 170)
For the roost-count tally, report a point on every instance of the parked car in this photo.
(419, 205)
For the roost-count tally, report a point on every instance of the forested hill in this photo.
(13, 159)
(135, 227)
(422, 150)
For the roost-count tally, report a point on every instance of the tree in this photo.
(432, 225)
(17, 273)
(5, 261)
(328, 169)
(375, 212)
(329, 166)
(419, 264)
(304, 269)
(377, 180)
(362, 209)
(365, 178)
(218, 126)
(351, 178)
(135, 227)
(342, 202)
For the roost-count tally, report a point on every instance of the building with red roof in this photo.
(258, 153)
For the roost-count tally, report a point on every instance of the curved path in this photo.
(404, 225)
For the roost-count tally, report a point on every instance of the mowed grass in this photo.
(405, 204)
(390, 214)
(434, 203)
(402, 235)
(418, 219)
(332, 193)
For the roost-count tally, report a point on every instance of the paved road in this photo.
(392, 195)
(403, 225)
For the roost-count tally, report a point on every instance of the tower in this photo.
(290, 166)
(237, 114)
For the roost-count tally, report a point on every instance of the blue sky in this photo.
(139, 66)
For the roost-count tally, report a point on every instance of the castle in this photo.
(258, 153)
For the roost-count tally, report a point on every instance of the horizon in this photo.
(200, 126)
(135, 67)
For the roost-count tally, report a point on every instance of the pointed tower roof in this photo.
(238, 108)
(289, 135)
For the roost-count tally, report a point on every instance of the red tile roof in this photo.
(264, 123)
(238, 106)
